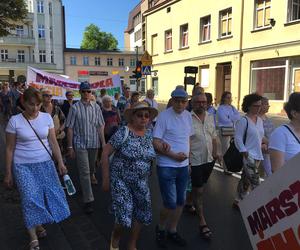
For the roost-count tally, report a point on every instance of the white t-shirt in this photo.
(255, 133)
(282, 140)
(174, 129)
(28, 147)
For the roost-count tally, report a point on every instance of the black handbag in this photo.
(233, 158)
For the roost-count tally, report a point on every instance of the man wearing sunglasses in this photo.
(85, 132)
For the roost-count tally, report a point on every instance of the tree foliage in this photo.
(93, 38)
(11, 11)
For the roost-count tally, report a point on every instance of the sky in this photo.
(110, 16)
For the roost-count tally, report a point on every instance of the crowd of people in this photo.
(127, 137)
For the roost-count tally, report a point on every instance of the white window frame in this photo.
(97, 61)
(21, 56)
(42, 56)
(85, 60)
(109, 61)
(226, 18)
(203, 26)
(121, 62)
(73, 60)
(132, 62)
(50, 8)
(291, 4)
(52, 56)
(40, 7)
(264, 8)
(168, 36)
(3, 55)
(20, 30)
(41, 31)
(184, 33)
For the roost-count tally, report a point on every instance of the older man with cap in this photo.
(171, 140)
(85, 131)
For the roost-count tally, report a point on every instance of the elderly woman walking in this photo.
(30, 139)
(127, 173)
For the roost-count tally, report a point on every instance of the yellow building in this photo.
(240, 46)
(95, 65)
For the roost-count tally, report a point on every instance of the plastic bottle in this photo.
(69, 185)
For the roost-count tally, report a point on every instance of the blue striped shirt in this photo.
(85, 120)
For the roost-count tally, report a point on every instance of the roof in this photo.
(159, 4)
(77, 50)
(132, 14)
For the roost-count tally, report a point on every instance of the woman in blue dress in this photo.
(127, 173)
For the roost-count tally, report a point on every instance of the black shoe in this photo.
(160, 238)
(177, 239)
(88, 208)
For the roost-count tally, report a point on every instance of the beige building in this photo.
(240, 46)
(38, 41)
(94, 65)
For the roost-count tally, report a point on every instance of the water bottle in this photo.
(69, 185)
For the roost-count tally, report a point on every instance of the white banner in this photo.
(59, 85)
(271, 212)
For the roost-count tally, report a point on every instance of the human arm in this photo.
(277, 159)
(101, 135)
(70, 149)
(223, 116)
(10, 147)
(56, 152)
(240, 130)
(163, 148)
(235, 115)
(101, 125)
(107, 151)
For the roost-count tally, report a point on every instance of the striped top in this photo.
(85, 119)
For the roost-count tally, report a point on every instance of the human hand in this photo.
(62, 169)
(245, 154)
(264, 148)
(105, 185)
(8, 180)
(71, 153)
(180, 156)
(165, 146)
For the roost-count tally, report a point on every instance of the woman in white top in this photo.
(251, 149)
(285, 140)
(29, 163)
(227, 115)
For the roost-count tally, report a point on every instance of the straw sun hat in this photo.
(128, 113)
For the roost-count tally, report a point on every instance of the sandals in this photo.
(41, 233)
(34, 245)
(205, 232)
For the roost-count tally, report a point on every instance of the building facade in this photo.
(94, 65)
(239, 46)
(33, 43)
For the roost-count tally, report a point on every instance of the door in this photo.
(223, 79)
(296, 80)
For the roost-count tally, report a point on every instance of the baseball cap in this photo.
(179, 92)
(84, 85)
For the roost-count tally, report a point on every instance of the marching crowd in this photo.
(127, 137)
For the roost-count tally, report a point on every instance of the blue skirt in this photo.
(43, 199)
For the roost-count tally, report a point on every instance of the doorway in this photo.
(223, 79)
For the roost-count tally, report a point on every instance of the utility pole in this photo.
(136, 63)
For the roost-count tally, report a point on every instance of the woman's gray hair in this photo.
(106, 98)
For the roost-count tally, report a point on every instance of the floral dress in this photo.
(129, 173)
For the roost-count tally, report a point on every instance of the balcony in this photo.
(17, 40)
(14, 64)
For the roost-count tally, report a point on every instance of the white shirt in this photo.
(28, 147)
(282, 140)
(227, 115)
(152, 103)
(174, 129)
(255, 133)
(201, 141)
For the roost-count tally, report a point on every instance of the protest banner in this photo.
(271, 212)
(59, 85)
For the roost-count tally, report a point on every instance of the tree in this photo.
(11, 11)
(93, 38)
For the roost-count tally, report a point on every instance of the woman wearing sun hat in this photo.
(127, 173)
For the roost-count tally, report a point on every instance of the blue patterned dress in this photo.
(129, 173)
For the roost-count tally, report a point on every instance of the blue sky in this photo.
(111, 16)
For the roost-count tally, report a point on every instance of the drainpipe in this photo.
(240, 53)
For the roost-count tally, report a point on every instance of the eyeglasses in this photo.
(201, 102)
(47, 95)
(86, 91)
(143, 115)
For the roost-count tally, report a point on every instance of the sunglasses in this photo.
(86, 91)
(47, 95)
(143, 115)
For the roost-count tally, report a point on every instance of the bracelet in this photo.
(70, 147)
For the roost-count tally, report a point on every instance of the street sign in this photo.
(146, 59)
(146, 70)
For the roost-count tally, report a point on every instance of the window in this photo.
(73, 60)
(51, 32)
(168, 40)
(154, 45)
(33, 58)
(225, 22)
(155, 85)
(151, 3)
(204, 76)
(293, 10)
(97, 61)
(132, 62)
(50, 8)
(137, 35)
(52, 57)
(41, 31)
(42, 56)
(21, 56)
(121, 62)
(40, 6)
(85, 60)
(205, 29)
(184, 36)
(20, 30)
(30, 7)
(4, 54)
(262, 13)
(137, 19)
(268, 78)
(109, 62)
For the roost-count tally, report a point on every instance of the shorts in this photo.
(173, 183)
(201, 173)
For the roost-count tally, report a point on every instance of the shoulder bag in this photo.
(297, 139)
(233, 158)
